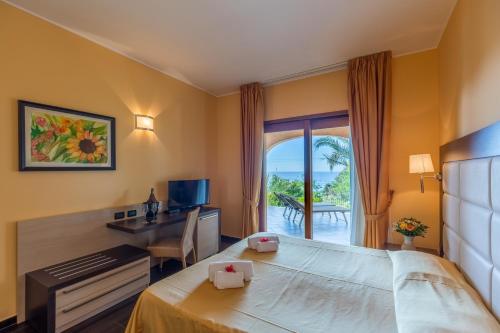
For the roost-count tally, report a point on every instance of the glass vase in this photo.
(408, 243)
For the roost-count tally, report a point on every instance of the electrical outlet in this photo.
(132, 213)
(119, 215)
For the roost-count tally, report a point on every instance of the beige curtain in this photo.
(369, 89)
(252, 140)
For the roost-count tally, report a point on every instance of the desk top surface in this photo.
(139, 224)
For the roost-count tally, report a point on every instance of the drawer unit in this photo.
(60, 296)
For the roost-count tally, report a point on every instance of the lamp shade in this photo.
(144, 122)
(421, 163)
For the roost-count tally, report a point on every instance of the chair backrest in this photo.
(187, 242)
(280, 198)
(297, 205)
(286, 200)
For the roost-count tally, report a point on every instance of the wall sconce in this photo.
(144, 122)
(420, 164)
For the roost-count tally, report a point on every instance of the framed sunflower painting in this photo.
(53, 139)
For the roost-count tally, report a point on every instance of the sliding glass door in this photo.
(284, 179)
(331, 184)
(304, 186)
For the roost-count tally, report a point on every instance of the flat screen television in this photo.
(184, 194)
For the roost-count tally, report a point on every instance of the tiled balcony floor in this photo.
(325, 228)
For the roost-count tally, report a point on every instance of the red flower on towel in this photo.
(230, 268)
(264, 239)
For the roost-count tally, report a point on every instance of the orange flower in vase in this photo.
(410, 228)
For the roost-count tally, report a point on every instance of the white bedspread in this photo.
(307, 286)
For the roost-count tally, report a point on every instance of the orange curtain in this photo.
(252, 140)
(369, 89)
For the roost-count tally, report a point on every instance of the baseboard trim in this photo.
(8, 323)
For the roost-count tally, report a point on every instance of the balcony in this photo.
(327, 226)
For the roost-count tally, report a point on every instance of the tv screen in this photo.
(188, 193)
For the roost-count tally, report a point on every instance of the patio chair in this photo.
(287, 205)
(298, 208)
(281, 198)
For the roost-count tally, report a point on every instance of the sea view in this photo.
(321, 178)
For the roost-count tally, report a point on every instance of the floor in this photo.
(325, 228)
(116, 321)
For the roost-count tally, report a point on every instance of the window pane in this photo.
(285, 182)
(331, 184)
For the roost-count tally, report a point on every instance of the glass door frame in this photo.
(307, 124)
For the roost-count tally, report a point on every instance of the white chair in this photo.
(175, 247)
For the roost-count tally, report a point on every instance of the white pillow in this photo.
(431, 295)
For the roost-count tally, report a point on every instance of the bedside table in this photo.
(397, 247)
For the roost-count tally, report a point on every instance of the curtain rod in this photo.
(310, 72)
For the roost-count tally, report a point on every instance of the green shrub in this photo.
(293, 188)
(338, 191)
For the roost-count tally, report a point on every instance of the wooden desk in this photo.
(139, 224)
(206, 236)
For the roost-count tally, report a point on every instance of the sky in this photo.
(288, 156)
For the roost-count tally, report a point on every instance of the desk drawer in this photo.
(89, 306)
(101, 283)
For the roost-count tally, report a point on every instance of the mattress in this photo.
(307, 286)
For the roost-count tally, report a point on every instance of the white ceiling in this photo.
(218, 45)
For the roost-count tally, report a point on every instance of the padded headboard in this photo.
(471, 210)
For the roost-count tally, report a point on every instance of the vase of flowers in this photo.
(410, 228)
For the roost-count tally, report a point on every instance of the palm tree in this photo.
(340, 154)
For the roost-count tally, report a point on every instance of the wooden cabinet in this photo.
(61, 296)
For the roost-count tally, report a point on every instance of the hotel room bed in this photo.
(311, 286)
(306, 284)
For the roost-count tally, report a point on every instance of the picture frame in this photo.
(53, 138)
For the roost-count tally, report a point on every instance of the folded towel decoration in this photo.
(253, 240)
(233, 274)
(243, 266)
(228, 279)
(267, 246)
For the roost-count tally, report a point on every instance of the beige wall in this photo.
(40, 62)
(317, 94)
(415, 130)
(225, 170)
(469, 64)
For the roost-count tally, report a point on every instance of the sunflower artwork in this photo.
(61, 139)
